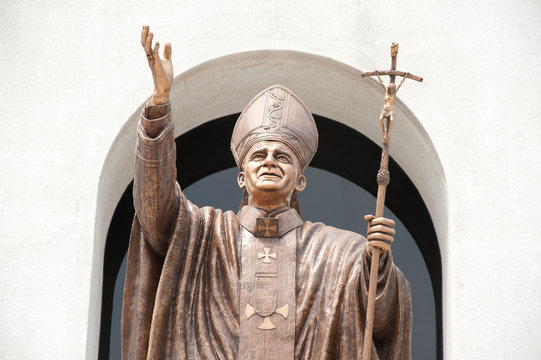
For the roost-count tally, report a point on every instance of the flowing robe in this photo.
(181, 296)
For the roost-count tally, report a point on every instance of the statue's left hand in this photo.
(380, 233)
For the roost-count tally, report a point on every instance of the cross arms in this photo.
(393, 72)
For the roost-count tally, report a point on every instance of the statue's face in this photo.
(271, 173)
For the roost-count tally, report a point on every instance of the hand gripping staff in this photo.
(386, 121)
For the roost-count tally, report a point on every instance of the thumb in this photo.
(369, 218)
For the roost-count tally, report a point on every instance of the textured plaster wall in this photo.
(73, 74)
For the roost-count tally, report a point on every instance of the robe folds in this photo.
(182, 292)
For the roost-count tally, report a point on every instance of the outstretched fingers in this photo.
(148, 44)
(146, 41)
(162, 70)
(144, 34)
(167, 51)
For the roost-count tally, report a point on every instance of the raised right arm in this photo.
(157, 196)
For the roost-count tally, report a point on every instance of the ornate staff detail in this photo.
(386, 120)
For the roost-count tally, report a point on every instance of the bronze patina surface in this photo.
(262, 283)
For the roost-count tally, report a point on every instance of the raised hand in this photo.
(162, 69)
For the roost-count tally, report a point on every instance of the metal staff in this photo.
(386, 121)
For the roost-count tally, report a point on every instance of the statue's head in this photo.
(274, 140)
(391, 88)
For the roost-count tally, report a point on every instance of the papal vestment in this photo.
(182, 296)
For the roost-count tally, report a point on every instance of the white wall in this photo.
(73, 74)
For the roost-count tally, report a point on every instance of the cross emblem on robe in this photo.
(266, 227)
(267, 255)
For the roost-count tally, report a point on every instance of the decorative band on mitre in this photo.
(276, 114)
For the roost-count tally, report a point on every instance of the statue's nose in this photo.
(269, 161)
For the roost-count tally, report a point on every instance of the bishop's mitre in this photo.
(276, 114)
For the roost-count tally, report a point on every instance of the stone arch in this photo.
(331, 89)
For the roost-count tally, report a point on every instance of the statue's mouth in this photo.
(270, 174)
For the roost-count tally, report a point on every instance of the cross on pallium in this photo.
(267, 255)
(267, 227)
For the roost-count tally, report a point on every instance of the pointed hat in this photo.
(276, 114)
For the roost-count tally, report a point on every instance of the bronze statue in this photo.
(260, 284)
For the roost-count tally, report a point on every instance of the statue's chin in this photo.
(268, 197)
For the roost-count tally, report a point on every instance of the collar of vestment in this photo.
(276, 223)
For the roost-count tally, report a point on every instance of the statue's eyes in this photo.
(258, 156)
(283, 158)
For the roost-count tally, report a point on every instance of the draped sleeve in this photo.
(180, 295)
(332, 290)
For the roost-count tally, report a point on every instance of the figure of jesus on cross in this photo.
(386, 118)
(386, 121)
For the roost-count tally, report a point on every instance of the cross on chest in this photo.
(266, 254)
(266, 227)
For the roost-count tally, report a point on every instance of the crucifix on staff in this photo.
(386, 120)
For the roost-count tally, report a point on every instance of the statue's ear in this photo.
(241, 180)
(301, 183)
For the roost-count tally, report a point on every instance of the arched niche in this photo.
(330, 89)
